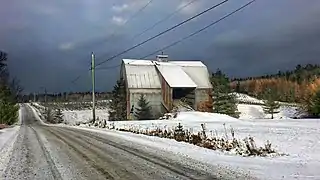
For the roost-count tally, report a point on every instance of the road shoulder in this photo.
(8, 137)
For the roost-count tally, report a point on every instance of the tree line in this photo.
(301, 86)
(64, 97)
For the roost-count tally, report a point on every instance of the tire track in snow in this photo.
(183, 172)
(93, 163)
(51, 164)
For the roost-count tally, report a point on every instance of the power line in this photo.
(153, 26)
(190, 35)
(108, 67)
(163, 32)
(200, 30)
(130, 18)
(164, 19)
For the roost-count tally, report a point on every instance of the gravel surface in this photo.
(46, 152)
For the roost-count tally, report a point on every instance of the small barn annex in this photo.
(165, 82)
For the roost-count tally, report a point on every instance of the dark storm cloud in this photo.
(50, 42)
(277, 47)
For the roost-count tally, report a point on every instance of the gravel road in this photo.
(46, 152)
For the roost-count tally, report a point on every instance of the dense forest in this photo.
(289, 86)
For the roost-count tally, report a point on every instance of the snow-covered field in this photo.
(83, 116)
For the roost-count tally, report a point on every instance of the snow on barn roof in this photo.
(142, 76)
(199, 75)
(188, 63)
(194, 73)
(175, 76)
(137, 62)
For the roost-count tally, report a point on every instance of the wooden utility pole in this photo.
(45, 95)
(93, 87)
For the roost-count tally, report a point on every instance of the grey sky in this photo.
(49, 42)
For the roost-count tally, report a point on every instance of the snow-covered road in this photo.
(53, 152)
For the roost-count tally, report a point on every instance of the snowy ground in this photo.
(299, 138)
(7, 138)
(74, 117)
(244, 98)
(249, 111)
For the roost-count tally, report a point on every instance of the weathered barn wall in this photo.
(153, 96)
(201, 96)
(166, 92)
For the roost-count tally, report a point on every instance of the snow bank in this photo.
(8, 137)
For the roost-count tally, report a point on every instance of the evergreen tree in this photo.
(315, 105)
(8, 97)
(143, 111)
(49, 115)
(224, 101)
(8, 108)
(118, 103)
(58, 116)
(270, 105)
(238, 87)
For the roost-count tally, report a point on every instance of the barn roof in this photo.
(142, 76)
(143, 73)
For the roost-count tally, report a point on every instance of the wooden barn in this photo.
(165, 82)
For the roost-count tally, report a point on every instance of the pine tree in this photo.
(49, 115)
(8, 97)
(224, 101)
(143, 111)
(58, 116)
(8, 107)
(238, 87)
(315, 105)
(118, 103)
(270, 105)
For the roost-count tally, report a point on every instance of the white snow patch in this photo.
(83, 116)
(249, 108)
(244, 98)
(249, 111)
